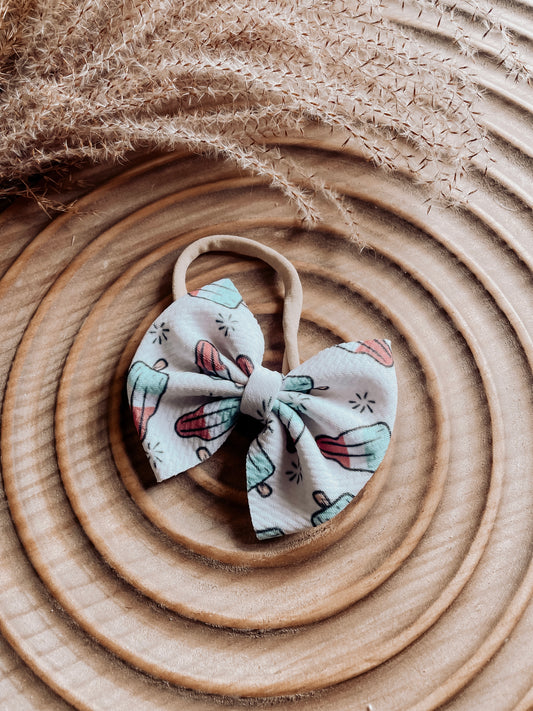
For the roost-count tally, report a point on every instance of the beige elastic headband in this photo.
(292, 308)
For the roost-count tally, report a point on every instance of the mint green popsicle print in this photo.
(291, 420)
(298, 383)
(259, 467)
(222, 292)
(266, 533)
(146, 386)
(377, 444)
(328, 509)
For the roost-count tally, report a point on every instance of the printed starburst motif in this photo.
(159, 332)
(268, 422)
(362, 403)
(226, 324)
(154, 453)
(297, 402)
(295, 473)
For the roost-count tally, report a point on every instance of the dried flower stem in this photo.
(95, 79)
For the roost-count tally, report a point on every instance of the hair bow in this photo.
(326, 423)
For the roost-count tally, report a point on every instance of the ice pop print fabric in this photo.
(326, 424)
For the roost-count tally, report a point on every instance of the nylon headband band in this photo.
(293, 299)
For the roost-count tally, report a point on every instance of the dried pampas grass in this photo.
(95, 79)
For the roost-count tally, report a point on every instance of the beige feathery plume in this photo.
(96, 79)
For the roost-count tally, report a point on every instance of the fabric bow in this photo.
(327, 423)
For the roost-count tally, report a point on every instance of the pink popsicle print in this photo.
(377, 348)
(245, 364)
(209, 361)
(359, 449)
(209, 421)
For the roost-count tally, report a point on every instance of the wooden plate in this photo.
(118, 592)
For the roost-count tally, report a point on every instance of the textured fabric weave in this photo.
(327, 423)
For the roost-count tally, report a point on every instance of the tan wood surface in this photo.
(119, 593)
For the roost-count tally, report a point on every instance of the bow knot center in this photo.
(260, 392)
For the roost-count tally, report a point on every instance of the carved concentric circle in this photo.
(416, 597)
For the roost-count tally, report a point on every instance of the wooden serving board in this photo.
(119, 593)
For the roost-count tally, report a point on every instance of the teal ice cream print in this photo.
(146, 385)
(299, 383)
(266, 533)
(259, 468)
(221, 292)
(326, 424)
(328, 509)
